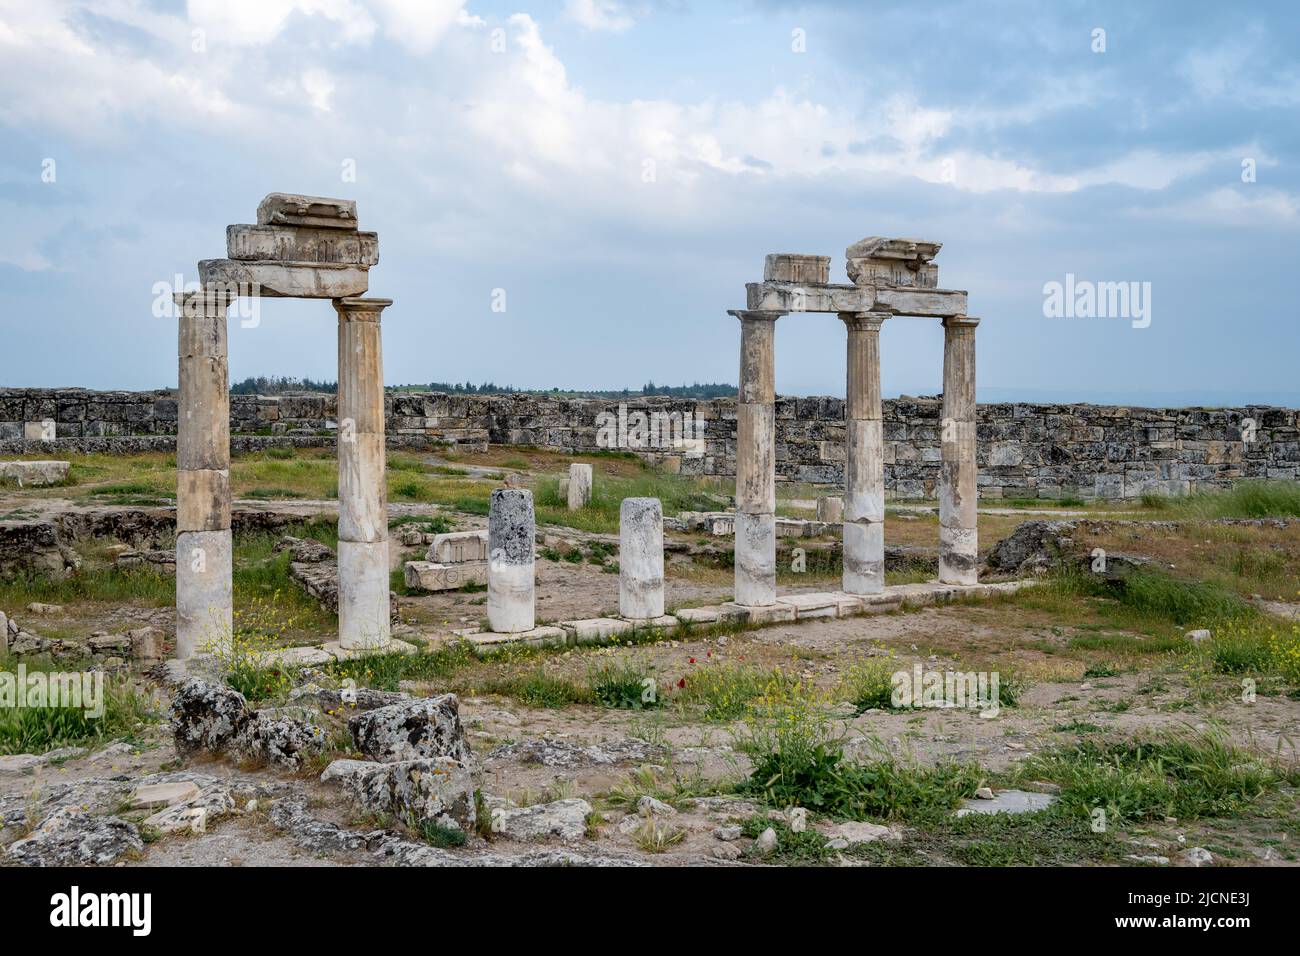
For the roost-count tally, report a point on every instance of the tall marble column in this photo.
(641, 559)
(203, 543)
(363, 496)
(512, 533)
(958, 494)
(864, 468)
(755, 556)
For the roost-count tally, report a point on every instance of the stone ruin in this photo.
(889, 277)
(310, 247)
(301, 247)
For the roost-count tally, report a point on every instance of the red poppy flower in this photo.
(682, 682)
(692, 660)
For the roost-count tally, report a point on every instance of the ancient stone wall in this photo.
(1025, 450)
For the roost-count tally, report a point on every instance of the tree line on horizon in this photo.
(281, 384)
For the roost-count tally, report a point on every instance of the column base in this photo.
(958, 555)
(755, 559)
(511, 600)
(363, 595)
(864, 557)
(204, 615)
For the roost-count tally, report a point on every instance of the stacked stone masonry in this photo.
(1025, 450)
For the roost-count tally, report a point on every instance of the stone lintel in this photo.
(927, 303)
(784, 297)
(299, 280)
(249, 243)
(294, 209)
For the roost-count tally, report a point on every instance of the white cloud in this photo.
(261, 21)
(608, 15)
(319, 87)
(419, 25)
(1248, 205)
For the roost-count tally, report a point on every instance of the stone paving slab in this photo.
(595, 630)
(1008, 801)
(545, 636)
(789, 608)
(340, 653)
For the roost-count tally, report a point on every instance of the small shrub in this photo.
(868, 684)
(540, 689)
(725, 691)
(438, 835)
(624, 686)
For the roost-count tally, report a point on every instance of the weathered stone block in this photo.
(292, 244)
(791, 267)
(293, 209)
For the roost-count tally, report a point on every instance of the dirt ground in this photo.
(1085, 674)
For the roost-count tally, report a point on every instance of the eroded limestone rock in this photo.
(420, 727)
(73, 837)
(210, 717)
(428, 790)
(560, 819)
(565, 755)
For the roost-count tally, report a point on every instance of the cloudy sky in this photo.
(619, 168)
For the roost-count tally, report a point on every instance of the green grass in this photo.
(677, 493)
(624, 685)
(725, 692)
(1144, 599)
(806, 848)
(1048, 838)
(1177, 775)
(436, 834)
(539, 689)
(1245, 499)
(142, 585)
(797, 759)
(40, 729)
(1068, 502)
(428, 524)
(387, 671)
(868, 684)
(1264, 647)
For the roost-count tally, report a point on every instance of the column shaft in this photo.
(363, 498)
(204, 617)
(512, 533)
(864, 468)
(641, 558)
(755, 549)
(958, 493)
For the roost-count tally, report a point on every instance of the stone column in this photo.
(640, 558)
(512, 531)
(203, 544)
(958, 535)
(755, 556)
(864, 458)
(580, 485)
(363, 497)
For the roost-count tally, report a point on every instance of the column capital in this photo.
(751, 315)
(863, 321)
(960, 322)
(360, 308)
(204, 302)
